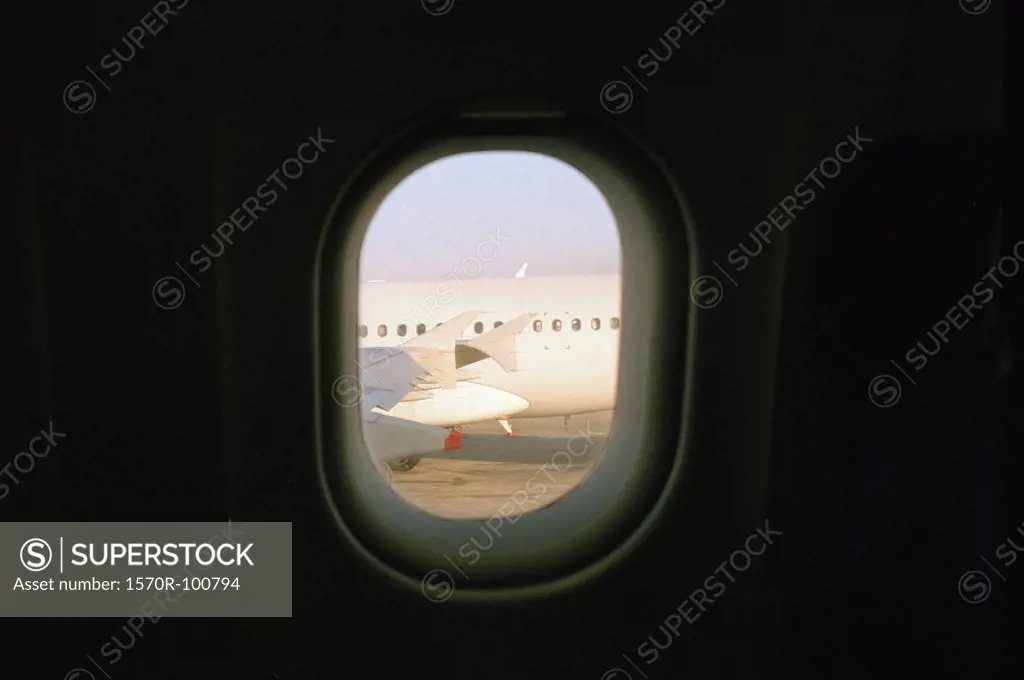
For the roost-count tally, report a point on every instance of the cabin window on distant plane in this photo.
(401, 330)
(556, 325)
(538, 326)
(615, 323)
(595, 324)
(382, 330)
(363, 331)
(576, 325)
(478, 327)
(421, 328)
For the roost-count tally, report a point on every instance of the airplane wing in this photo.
(443, 378)
(443, 337)
(388, 437)
(409, 372)
(390, 374)
(500, 343)
(435, 349)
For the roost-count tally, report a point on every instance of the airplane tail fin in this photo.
(500, 343)
(522, 271)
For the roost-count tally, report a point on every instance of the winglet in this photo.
(500, 343)
(522, 271)
(435, 349)
(443, 337)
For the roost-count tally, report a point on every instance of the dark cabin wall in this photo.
(206, 411)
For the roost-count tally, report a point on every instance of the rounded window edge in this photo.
(589, 526)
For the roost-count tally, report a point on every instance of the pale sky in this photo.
(548, 213)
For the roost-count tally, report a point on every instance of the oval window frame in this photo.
(591, 528)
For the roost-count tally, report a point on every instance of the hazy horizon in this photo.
(495, 278)
(453, 214)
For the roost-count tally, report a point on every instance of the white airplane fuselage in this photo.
(559, 372)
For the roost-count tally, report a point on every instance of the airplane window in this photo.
(363, 331)
(595, 324)
(615, 323)
(446, 248)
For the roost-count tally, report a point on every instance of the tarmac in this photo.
(475, 481)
